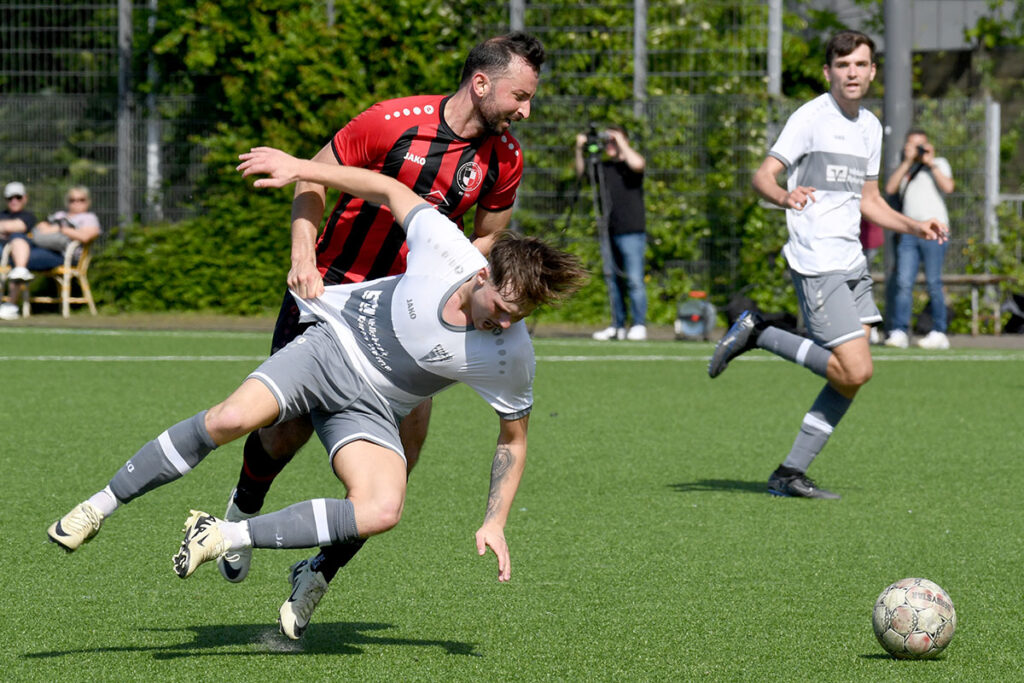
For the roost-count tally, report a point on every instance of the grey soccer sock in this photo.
(311, 523)
(164, 459)
(794, 348)
(817, 427)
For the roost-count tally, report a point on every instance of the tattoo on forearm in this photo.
(499, 470)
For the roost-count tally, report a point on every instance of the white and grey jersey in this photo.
(823, 148)
(393, 331)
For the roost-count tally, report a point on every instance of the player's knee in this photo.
(860, 374)
(227, 421)
(381, 515)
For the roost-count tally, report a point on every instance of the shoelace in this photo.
(87, 521)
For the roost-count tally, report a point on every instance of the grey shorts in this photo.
(312, 376)
(836, 306)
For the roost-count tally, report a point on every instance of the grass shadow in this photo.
(879, 655)
(338, 638)
(706, 485)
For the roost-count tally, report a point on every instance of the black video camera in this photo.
(596, 140)
(921, 151)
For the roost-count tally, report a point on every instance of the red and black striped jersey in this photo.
(408, 139)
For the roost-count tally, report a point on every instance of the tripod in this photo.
(602, 208)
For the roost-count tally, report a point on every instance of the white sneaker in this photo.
(234, 564)
(898, 339)
(308, 587)
(934, 340)
(203, 542)
(20, 274)
(610, 333)
(637, 333)
(76, 527)
(8, 312)
(874, 338)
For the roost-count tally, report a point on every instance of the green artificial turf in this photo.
(644, 546)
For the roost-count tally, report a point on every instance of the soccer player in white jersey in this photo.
(831, 147)
(381, 347)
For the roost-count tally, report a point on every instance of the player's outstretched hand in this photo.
(933, 229)
(491, 536)
(282, 167)
(797, 199)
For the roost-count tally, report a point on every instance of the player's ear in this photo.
(483, 275)
(481, 83)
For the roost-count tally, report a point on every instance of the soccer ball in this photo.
(914, 619)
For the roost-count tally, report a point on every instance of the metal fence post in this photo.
(992, 131)
(639, 58)
(775, 47)
(124, 115)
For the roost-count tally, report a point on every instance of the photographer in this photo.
(921, 181)
(618, 179)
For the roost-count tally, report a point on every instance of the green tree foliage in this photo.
(277, 72)
(271, 72)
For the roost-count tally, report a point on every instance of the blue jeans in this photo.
(910, 252)
(628, 253)
(40, 258)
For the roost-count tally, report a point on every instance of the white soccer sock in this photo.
(105, 501)
(236, 534)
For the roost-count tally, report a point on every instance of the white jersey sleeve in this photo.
(794, 141)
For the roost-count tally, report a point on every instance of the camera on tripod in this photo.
(596, 140)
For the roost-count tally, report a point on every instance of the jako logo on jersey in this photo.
(469, 176)
(409, 156)
(438, 354)
(412, 310)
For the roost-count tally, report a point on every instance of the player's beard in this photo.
(495, 121)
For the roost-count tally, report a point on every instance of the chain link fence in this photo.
(702, 120)
(59, 115)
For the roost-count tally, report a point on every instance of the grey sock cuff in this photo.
(794, 348)
(311, 523)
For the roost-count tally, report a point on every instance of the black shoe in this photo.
(797, 485)
(740, 338)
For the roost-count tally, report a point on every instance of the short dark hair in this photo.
(495, 54)
(845, 42)
(916, 131)
(533, 271)
(619, 127)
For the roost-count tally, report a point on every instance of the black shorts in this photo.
(287, 326)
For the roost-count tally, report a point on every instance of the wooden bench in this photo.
(974, 281)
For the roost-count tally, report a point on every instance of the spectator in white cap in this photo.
(45, 249)
(14, 218)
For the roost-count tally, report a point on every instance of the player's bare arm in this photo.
(307, 210)
(506, 473)
(766, 184)
(877, 210)
(633, 159)
(283, 169)
(487, 225)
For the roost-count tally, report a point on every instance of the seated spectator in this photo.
(45, 249)
(14, 219)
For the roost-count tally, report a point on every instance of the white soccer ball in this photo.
(914, 619)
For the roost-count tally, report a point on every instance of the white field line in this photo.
(974, 358)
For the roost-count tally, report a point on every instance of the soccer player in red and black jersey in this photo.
(454, 151)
